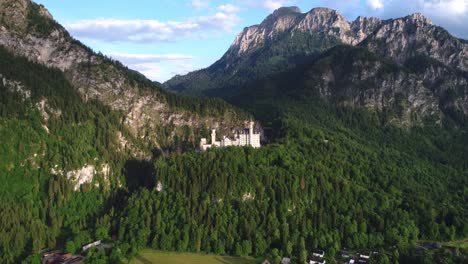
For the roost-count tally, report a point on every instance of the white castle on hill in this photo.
(242, 137)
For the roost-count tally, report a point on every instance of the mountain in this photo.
(78, 132)
(93, 151)
(357, 102)
(28, 29)
(430, 65)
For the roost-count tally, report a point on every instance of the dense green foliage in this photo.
(47, 130)
(330, 177)
(39, 209)
(37, 22)
(336, 179)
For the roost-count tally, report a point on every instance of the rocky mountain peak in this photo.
(324, 17)
(363, 27)
(291, 37)
(45, 13)
(329, 22)
(281, 19)
(419, 18)
(282, 11)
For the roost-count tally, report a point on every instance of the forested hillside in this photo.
(333, 178)
(165, 120)
(373, 156)
(66, 161)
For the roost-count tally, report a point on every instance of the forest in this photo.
(327, 178)
(335, 179)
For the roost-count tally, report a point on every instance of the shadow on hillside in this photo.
(139, 174)
(228, 260)
(143, 260)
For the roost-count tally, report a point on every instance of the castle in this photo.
(242, 137)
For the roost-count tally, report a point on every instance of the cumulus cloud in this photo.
(375, 4)
(144, 58)
(199, 4)
(157, 67)
(229, 8)
(118, 30)
(270, 5)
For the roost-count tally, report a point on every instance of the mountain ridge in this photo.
(80, 160)
(287, 39)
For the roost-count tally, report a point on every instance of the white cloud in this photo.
(375, 4)
(118, 30)
(143, 58)
(199, 4)
(157, 67)
(454, 7)
(229, 8)
(275, 4)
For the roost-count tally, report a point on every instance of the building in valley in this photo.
(242, 137)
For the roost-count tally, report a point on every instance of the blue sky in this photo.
(161, 38)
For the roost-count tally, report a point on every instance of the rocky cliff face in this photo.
(252, 37)
(430, 64)
(29, 30)
(355, 78)
(318, 20)
(398, 39)
(403, 38)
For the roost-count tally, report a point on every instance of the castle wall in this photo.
(246, 137)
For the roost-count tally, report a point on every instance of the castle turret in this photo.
(202, 143)
(251, 131)
(213, 136)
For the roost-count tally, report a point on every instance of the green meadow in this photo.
(156, 257)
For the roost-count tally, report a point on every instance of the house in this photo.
(56, 257)
(266, 262)
(242, 137)
(286, 261)
(91, 245)
(319, 253)
(344, 254)
(316, 260)
(363, 257)
(317, 257)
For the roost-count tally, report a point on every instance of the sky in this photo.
(162, 38)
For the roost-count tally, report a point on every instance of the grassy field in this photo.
(156, 257)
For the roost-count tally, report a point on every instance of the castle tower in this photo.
(213, 136)
(251, 132)
(202, 143)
